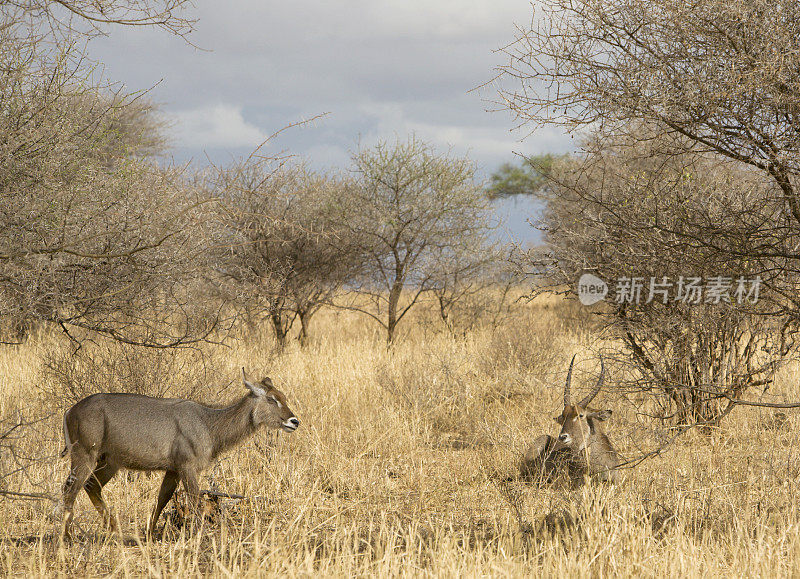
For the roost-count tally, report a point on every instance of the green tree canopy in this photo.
(525, 178)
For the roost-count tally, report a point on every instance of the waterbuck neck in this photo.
(231, 424)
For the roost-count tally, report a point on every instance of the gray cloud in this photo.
(380, 68)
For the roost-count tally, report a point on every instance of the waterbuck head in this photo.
(580, 424)
(271, 408)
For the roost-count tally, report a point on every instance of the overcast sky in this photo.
(379, 68)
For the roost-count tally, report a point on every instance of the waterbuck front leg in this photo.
(189, 476)
(168, 486)
(103, 473)
(536, 463)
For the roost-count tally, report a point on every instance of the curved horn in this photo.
(594, 392)
(569, 379)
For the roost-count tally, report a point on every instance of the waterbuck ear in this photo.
(256, 390)
(600, 415)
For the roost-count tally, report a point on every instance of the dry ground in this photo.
(397, 467)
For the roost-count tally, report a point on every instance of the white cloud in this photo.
(216, 126)
(488, 144)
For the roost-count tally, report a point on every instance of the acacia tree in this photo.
(410, 205)
(92, 233)
(638, 215)
(722, 74)
(282, 255)
(472, 283)
(93, 237)
(682, 80)
(525, 178)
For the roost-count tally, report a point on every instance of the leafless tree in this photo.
(664, 227)
(472, 284)
(711, 85)
(93, 234)
(282, 253)
(722, 74)
(412, 212)
(63, 20)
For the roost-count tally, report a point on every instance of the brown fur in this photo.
(106, 432)
(580, 449)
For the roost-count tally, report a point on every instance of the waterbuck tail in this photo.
(67, 443)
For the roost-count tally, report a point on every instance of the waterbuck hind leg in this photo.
(608, 474)
(168, 486)
(103, 473)
(80, 471)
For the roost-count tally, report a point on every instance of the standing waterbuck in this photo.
(581, 448)
(106, 432)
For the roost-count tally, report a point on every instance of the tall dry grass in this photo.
(398, 467)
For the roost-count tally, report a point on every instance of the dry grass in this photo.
(397, 468)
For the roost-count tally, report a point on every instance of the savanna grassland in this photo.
(398, 466)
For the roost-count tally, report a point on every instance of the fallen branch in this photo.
(28, 496)
(219, 495)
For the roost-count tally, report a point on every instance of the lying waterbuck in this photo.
(106, 432)
(581, 447)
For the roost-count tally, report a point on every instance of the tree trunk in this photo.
(281, 327)
(394, 300)
(444, 312)
(695, 388)
(305, 320)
